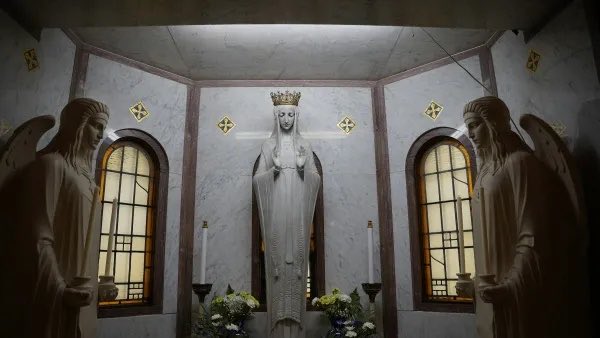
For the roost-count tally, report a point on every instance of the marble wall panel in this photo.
(565, 80)
(153, 326)
(413, 324)
(120, 87)
(406, 100)
(224, 184)
(26, 94)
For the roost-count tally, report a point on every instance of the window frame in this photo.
(318, 281)
(416, 153)
(157, 154)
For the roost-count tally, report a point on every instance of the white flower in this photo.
(348, 322)
(368, 325)
(315, 300)
(216, 324)
(345, 298)
(232, 327)
(349, 328)
(251, 303)
(216, 317)
(350, 334)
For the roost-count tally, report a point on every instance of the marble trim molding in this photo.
(80, 67)
(90, 49)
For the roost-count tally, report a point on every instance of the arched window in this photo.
(439, 169)
(315, 284)
(134, 170)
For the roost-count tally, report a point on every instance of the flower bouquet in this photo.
(227, 315)
(345, 314)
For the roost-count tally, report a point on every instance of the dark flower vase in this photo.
(337, 328)
(241, 333)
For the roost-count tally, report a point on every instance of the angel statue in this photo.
(530, 243)
(46, 203)
(286, 184)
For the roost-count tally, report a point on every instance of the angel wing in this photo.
(20, 149)
(550, 149)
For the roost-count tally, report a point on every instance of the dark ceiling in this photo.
(481, 14)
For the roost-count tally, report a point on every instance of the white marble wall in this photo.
(405, 102)
(120, 87)
(224, 182)
(566, 78)
(25, 94)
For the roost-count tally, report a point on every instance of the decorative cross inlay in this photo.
(4, 128)
(533, 60)
(31, 59)
(433, 110)
(139, 111)
(346, 125)
(559, 128)
(226, 124)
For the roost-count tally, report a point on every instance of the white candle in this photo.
(461, 238)
(484, 235)
(88, 236)
(109, 250)
(370, 251)
(203, 255)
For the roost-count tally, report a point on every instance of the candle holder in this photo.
(107, 290)
(371, 289)
(201, 290)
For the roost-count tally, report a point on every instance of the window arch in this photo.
(133, 168)
(315, 285)
(439, 168)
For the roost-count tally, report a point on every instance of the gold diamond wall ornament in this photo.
(139, 111)
(4, 128)
(31, 59)
(559, 128)
(346, 125)
(533, 60)
(433, 110)
(225, 124)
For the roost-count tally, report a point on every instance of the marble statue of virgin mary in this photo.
(286, 184)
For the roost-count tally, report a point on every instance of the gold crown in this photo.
(286, 98)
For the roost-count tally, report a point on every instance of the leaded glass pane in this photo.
(446, 188)
(143, 166)
(124, 224)
(434, 219)
(141, 190)
(458, 159)
(129, 160)
(443, 154)
(139, 221)
(114, 161)
(127, 188)
(461, 183)
(448, 216)
(430, 165)
(111, 186)
(431, 188)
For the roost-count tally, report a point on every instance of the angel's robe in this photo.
(45, 211)
(528, 215)
(286, 204)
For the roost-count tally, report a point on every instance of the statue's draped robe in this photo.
(528, 216)
(45, 212)
(286, 203)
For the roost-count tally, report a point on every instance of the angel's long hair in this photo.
(68, 141)
(502, 140)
